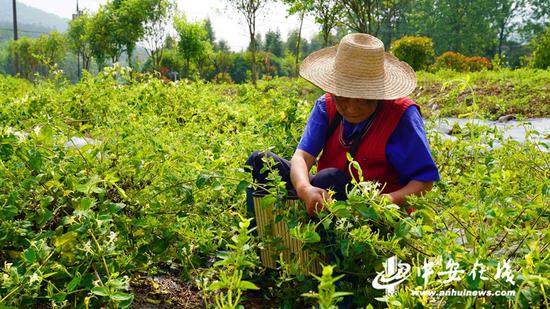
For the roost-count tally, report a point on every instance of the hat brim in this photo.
(398, 80)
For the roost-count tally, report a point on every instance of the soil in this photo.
(164, 292)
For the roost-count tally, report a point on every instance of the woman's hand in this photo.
(313, 197)
(415, 187)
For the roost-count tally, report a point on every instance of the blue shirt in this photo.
(407, 149)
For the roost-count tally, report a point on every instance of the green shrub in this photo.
(417, 51)
(541, 51)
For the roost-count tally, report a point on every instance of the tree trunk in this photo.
(253, 56)
(297, 60)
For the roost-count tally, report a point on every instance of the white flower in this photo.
(112, 236)
(35, 278)
(87, 247)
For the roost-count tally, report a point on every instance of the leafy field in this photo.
(159, 190)
(488, 94)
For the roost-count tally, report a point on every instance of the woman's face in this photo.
(354, 110)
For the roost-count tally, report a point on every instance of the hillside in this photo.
(30, 18)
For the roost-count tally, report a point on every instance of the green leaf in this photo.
(417, 231)
(247, 285)
(73, 283)
(46, 201)
(241, 187)
(35, 160)
(396, 303)
(341, 294)
(311, 236)
(46, 132)
(341, 211)
(86, 203)
(100, 291)
(402, 229)
(267, 201)
(65, 239)
(202, 179)
(60, 297)
(29, 255)
(119, 296)
(43, 216)
(367, 212)
(8, 212)
(159, 246)
(427, 228)
(216, 285)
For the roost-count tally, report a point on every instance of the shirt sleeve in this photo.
(408, 151)
(314, 136)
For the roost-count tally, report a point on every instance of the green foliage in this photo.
(273, 43)
(232, 266)
(78, 40)
(497, 93)
(38, 55)
(159, 188)
(418, 52)
(463, 27)
(541, 51)
(193, 40)
(327, 296)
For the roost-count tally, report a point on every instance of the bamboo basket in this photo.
(291, 250)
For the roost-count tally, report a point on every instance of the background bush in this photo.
(460, 63)
(541, 51)
(417, 51)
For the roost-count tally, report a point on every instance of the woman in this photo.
(365, 112)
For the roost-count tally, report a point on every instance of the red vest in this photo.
(371, 153)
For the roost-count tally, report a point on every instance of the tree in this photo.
(40, 54)
(209, 31)
(537, 19)
(77, 36)
(222, 64)
(24, 48)
(222, 46)
(392, 18)
(362, 15)
(300, 7)
(193, 40)
(292, 43)
(156, 27)
(239, 68)
(250, 9)
(51, 49)
(503, 13)
(102, 39)
(328, 14)
(273, 43)
(462, 26)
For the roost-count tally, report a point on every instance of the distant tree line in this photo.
(509, 29)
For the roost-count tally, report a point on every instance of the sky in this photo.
(227, 24)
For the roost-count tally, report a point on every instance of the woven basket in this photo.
(289, 246)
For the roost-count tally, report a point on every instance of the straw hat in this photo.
(359, 68)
